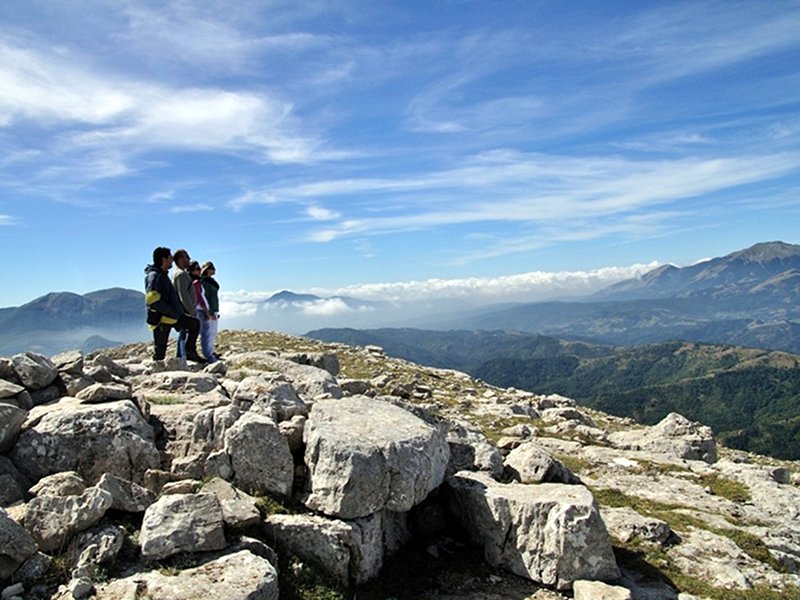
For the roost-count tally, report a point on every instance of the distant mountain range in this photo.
(747, 298)
(63, 320)
(291, 300)
(617, 350)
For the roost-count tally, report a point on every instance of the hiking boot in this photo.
(194, 357)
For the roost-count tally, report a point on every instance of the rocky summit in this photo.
(302, 470)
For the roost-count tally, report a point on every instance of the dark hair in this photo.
(193, 266)
(160, 253)
(180, 252)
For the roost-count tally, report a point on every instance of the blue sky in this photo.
(367, 146)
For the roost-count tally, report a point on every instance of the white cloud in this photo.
(235, 309)
(326, 308)
(189, 208)
(407, 299)
(7, 220)
(101, 110)
(534, 285)
(574, 194)
(319, 213)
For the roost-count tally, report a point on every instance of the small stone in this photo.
(81, 587)
(13, 590)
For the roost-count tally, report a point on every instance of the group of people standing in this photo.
(189, 303)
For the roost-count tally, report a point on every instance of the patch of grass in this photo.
(576, 464)
(493, 426)
(753, 546)
(267, 505)
(652, 469)
(302, 581)
(726, 488)
(164, 399)
(615, 498)
(656, 565)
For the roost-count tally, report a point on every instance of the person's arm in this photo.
(183, 284)
(158, 296)
(201, 297)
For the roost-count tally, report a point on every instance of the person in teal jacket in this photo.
(211, 289)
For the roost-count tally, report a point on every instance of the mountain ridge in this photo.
(750, 396)
(738, 269)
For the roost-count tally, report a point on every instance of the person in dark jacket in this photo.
(164, 309)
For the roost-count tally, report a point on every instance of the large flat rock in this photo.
(91, 439)
(551, 533)
(365, 455)
(238, 576)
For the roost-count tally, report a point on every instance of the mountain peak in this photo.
(735, 273)
(766, 252)
(289, 296)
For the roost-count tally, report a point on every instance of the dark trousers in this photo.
(161, 336)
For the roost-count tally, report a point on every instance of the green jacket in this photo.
(211, 288)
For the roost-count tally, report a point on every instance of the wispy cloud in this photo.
(684, 44)
(577, 195)
(86, 110)
(190, 208)
(319, 213)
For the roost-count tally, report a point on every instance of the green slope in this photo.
(750, 397)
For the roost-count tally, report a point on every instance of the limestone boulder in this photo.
(182, 523)
(567, 413)
(179, 382)
(349, 551)
(292, 430)
(674, 435)
(34, 371)
(626, 525)
(364, 455)
(238, 508)
(530, 463)
(53, 520)
(13, 484)
(92, 549)
(66, 483)
(16, 545)
(218, 464)
(238, 575)
(45, 395)
(109, 364)
(91, 439)
(126, 495)
(309, 382)
(271, 395)
(104, 392)
(210, 426)
(322, 360)
(550, 533)
(11, 419)
(74, 384)
(32, 570)
(470, 450)
(597, 590)
(259, 455)
(70, 362)
(9, 389)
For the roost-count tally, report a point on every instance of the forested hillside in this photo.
(751, 397)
